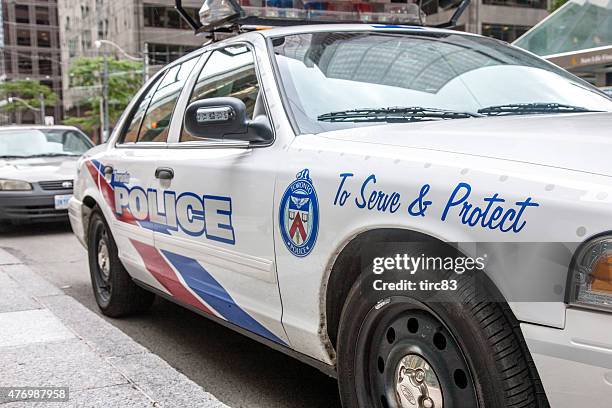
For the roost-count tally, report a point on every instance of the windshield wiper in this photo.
(397, 114)
(529, 108)
(11, 156)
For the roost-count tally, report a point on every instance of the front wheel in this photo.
(405, 352)
(115, 292)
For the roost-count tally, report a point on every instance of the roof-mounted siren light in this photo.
(216, 14)
(213, 14)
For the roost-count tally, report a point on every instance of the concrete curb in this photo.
(47, 338)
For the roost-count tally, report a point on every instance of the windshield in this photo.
(344, 74)
(17, 143)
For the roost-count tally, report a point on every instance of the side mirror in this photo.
(225, 118)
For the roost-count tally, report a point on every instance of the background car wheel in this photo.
(115, 292)
(461, 350)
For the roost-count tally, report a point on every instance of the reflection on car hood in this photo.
(581, 142)
(39, 168)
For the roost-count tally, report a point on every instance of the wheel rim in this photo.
(411, 360)
(102, 272)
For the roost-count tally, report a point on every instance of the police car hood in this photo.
(39, 168)
(581, 142)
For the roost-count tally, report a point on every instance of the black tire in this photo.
(115, 292)
(473, 346)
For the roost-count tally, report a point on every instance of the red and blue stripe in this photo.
(183, 277)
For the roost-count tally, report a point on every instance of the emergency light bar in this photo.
(230, 15)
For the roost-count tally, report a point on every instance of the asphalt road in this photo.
(238, 371)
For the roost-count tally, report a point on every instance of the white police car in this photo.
(266, 179)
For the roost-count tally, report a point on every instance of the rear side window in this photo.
(151, 119)
(229, 71)
(131, 133)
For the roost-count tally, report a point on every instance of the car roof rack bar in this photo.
(456, 15)
(178, 5)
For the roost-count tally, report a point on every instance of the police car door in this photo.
(220, 245)
(131, 168)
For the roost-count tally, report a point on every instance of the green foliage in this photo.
(124, 80)
(29, 91)
(556, 4)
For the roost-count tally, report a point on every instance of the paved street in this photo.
(236, 370)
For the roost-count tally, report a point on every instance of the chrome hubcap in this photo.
(416, 383)
(103, 260)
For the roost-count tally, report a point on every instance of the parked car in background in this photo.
(37, 170)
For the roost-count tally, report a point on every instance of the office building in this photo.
(130, 24)
(31, 51)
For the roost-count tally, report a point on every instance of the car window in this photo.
(326, 74)
(18, 143)
(150, 121)
(131, 133)
(229, 71)
(156, 122)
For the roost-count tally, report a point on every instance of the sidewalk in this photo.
(49, 339)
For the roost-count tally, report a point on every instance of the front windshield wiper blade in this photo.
(529, 108)
(11, 156)
(397, 114)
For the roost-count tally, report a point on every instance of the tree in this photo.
(27, 90)
(556, 4)
(124, 80)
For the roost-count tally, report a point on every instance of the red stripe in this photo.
(109, 194)
(165, 275)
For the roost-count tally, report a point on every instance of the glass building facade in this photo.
(578, 37)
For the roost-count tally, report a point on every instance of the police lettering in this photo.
(193, 214)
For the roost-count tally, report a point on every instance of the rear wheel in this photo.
(461, 350)
(115, 292)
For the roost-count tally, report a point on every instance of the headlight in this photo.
(591, 279)
(14, 185)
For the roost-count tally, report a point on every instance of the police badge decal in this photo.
(299, 215)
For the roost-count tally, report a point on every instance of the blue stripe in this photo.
(207, 287)
(98, 165)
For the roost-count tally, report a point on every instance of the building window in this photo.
(536, 4)
(22, 14)
(153, 16)
(42, 15)
(504, 32)
(45, 65)
(23, 37)
(24, 63)
(166, 17)
(86, 40)
(8, 62)
(72, 47)
(173, 19)
(7, 34)
(44, 39)
(162, 54)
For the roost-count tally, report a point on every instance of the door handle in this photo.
(164, 173)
